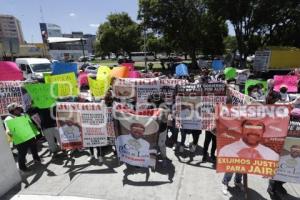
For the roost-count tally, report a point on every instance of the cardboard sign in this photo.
(98, 87)
(67, 84)
(255, 82)
(291, 82)
(22, 129)
(42, 95)
(217, 65)
(250, 138)
(63, 68)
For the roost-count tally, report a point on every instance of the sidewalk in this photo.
(185, 177)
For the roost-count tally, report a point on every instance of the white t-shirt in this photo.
(9, 117)
(234, 150)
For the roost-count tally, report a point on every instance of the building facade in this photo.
(11, 34)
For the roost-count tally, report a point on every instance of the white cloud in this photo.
(72, 14)
(94, 25)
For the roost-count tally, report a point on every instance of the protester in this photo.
(237, 181)
(16, 110)
(209, 137)
(50, 130)
(275, 188)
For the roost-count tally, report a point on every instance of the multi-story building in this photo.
(61, 45)
(11, 35)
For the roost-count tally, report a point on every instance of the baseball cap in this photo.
(13, 106)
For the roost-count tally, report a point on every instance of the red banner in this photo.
(250, 138)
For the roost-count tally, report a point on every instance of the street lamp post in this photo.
(145, 48)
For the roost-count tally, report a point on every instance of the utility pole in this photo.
(82, 46)
(145, 48)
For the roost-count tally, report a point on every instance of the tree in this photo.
(230, 43)
(119, 34)
(184, 22)
(257, 22)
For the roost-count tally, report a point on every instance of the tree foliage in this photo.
(260, 22)
(187, 23)
(118, 34)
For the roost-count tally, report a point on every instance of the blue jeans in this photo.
(228, 176)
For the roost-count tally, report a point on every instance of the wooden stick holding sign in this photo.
(245, 181)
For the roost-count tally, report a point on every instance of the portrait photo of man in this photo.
(132, 147)
(250, 145)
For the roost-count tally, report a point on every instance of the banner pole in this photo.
(245, 181)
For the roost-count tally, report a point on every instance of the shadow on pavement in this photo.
(166, 169)
(15, 190)
(237, 194)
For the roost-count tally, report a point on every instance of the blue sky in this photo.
(70, 15)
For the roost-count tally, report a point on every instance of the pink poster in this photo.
(288, 81)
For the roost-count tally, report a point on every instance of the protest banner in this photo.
(145, 88)
(136, 136)
(291, 82)
(250, 138)
(195, 105)
(42, 95)
(22, 129)
(251, 82)
(289, 163)
(237, 98)
(67, 84)
(124, 88)
(167, 88)
(10, 92)
(69, 125)
(82, 124)
(93, 123)
(63, 68)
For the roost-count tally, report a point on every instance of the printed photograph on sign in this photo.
(289, 164)
(136, 139)
(70, 130)
(250, 138)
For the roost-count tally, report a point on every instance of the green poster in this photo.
(22, 129)
(42, 95)
(230, 73)
(254, 82)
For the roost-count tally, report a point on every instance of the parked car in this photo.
(91, 69)
(83, 58)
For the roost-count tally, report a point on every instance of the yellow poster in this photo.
(67, 84)
(98, 87)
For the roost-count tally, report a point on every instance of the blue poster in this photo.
(63, 68)
(217, 65)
